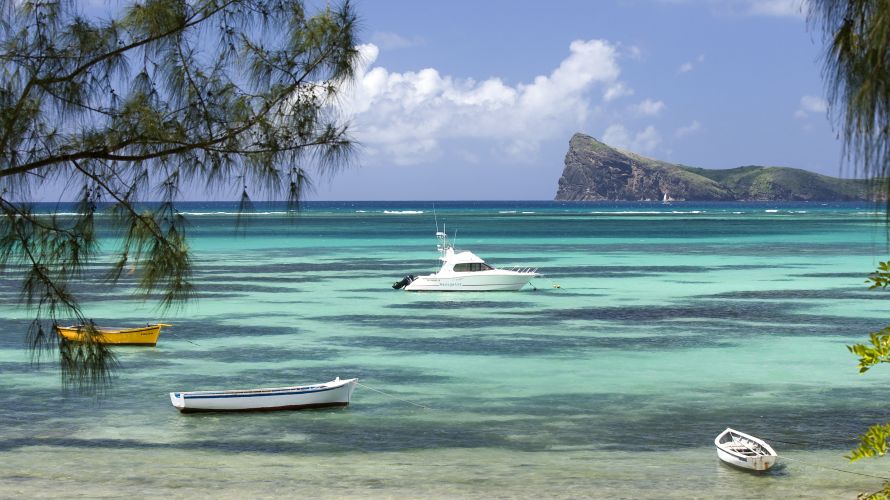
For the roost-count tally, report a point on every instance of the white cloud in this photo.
(769, 8)
(616, 135)
(390, 41)
(634, 52)
(690, 65)
(615, 91)
(647, 140)
(790, 9)
(811, 104)
(649, 107)
(404, 117)
(776, 8)
(687, 130)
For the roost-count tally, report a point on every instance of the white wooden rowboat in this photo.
(334, 393)
(745, 451)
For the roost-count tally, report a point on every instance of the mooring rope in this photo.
(796, 443)
(839, 442)
(178, 337)
(394, 397)
(783, 457)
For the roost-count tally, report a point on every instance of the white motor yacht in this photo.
(464, 271)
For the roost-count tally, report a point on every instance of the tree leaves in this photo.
(873, 443)
(881, 277)
(234, 95)
(878, 352)
(857, 72)
(855, 66)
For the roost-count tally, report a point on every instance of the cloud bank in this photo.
(649, 107)
(644, 141)
(404, 118)
(811, 104)
(688, 130)
(777, 8)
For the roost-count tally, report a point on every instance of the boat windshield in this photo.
(471, 267)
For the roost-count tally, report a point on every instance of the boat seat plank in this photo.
(744, 450)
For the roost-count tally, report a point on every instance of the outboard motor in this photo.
(405, 281)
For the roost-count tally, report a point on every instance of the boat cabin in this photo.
(463, 262)
(471, 267)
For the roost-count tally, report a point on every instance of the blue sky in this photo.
(463, 99)
(478, 100)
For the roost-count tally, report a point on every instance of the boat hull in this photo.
(475, 282)
(146, 336)
(744, 451)
(758, 463)
(330, 394)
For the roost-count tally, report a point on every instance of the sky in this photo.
(478, 99)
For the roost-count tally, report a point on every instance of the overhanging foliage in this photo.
(227, 94)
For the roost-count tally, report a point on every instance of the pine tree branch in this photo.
(123, 202)
(188, 23)
(12, 209)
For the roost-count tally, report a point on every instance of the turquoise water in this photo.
(669, 323)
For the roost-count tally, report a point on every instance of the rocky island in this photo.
(597, 172)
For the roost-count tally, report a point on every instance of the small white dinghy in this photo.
(334, 393)
(745, 451)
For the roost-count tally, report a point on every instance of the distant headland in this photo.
(597, 172)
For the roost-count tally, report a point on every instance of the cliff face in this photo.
(596, 172)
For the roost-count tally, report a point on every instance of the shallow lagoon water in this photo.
(669, 323)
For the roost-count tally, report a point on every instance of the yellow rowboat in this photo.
(146, 335)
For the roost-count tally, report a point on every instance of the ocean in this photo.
(652, 328)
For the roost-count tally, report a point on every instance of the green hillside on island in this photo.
(595, 171)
